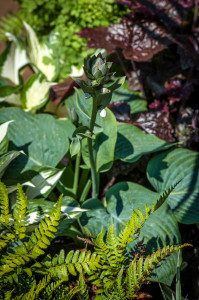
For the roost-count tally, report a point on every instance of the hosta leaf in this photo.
(40, 54)
(6, 159)
(132, 143)
(165, 169)
(41, 137)
(14, 57)
(39, 208)
(4, 137)
(43, 183)
(35, 92)
(95, 218)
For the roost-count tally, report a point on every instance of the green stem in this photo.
(76, 177)
(93, 169)
(90, 152)
(178, 284)
(85, 191)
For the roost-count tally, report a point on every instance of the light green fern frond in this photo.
(10, 23)
(140, 269)
(75, 262)
(4, 205)
(133, 226)
(83, 288)
(19, 213)
(45, 229)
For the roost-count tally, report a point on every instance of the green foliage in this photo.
(63, 19)
(22, 276)
(118, 279)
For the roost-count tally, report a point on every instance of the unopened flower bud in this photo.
(103, 113)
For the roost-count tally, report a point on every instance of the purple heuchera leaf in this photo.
(177, 91)
(124, 2)
(139, 40)
(157, 123)
(121, 110)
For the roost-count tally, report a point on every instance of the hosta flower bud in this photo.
(96, 68)
(103, 113)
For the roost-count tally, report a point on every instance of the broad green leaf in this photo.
(132, 143)
(160, 229)
(96, 217)
(167, 168)
(133, 99)
(4, 137)
(35, 92)
(39, 208)
(40, 54)
(43, 183)
(42, 138)
(6, 159)
(14, 58)
(104, 144)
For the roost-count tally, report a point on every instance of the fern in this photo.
(4, 205)
(10, 23)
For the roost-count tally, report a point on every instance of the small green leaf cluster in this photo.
(63, 19)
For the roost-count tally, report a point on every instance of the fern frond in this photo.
(19, 213)
(138, 271)
(4, 205)
(10, 23)
(120, 285)
(133, 227)
(83, 288)
(45, 229)
(165, 195)
(13, 260)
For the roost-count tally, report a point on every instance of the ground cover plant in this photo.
(123, 157)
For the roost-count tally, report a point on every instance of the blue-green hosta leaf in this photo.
(6, 159)
(159, 230)
(43, 183)
(133, 99)
(167, 168)
(132, 143)
(4, 137)
(38, 208)
(35, 92)
(96, 217)
(42, 138)
(40, 54)
(14, 58)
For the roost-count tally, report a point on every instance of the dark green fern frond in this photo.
(83, 288)
(19, 213)
(165, 195)
(4, 205)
